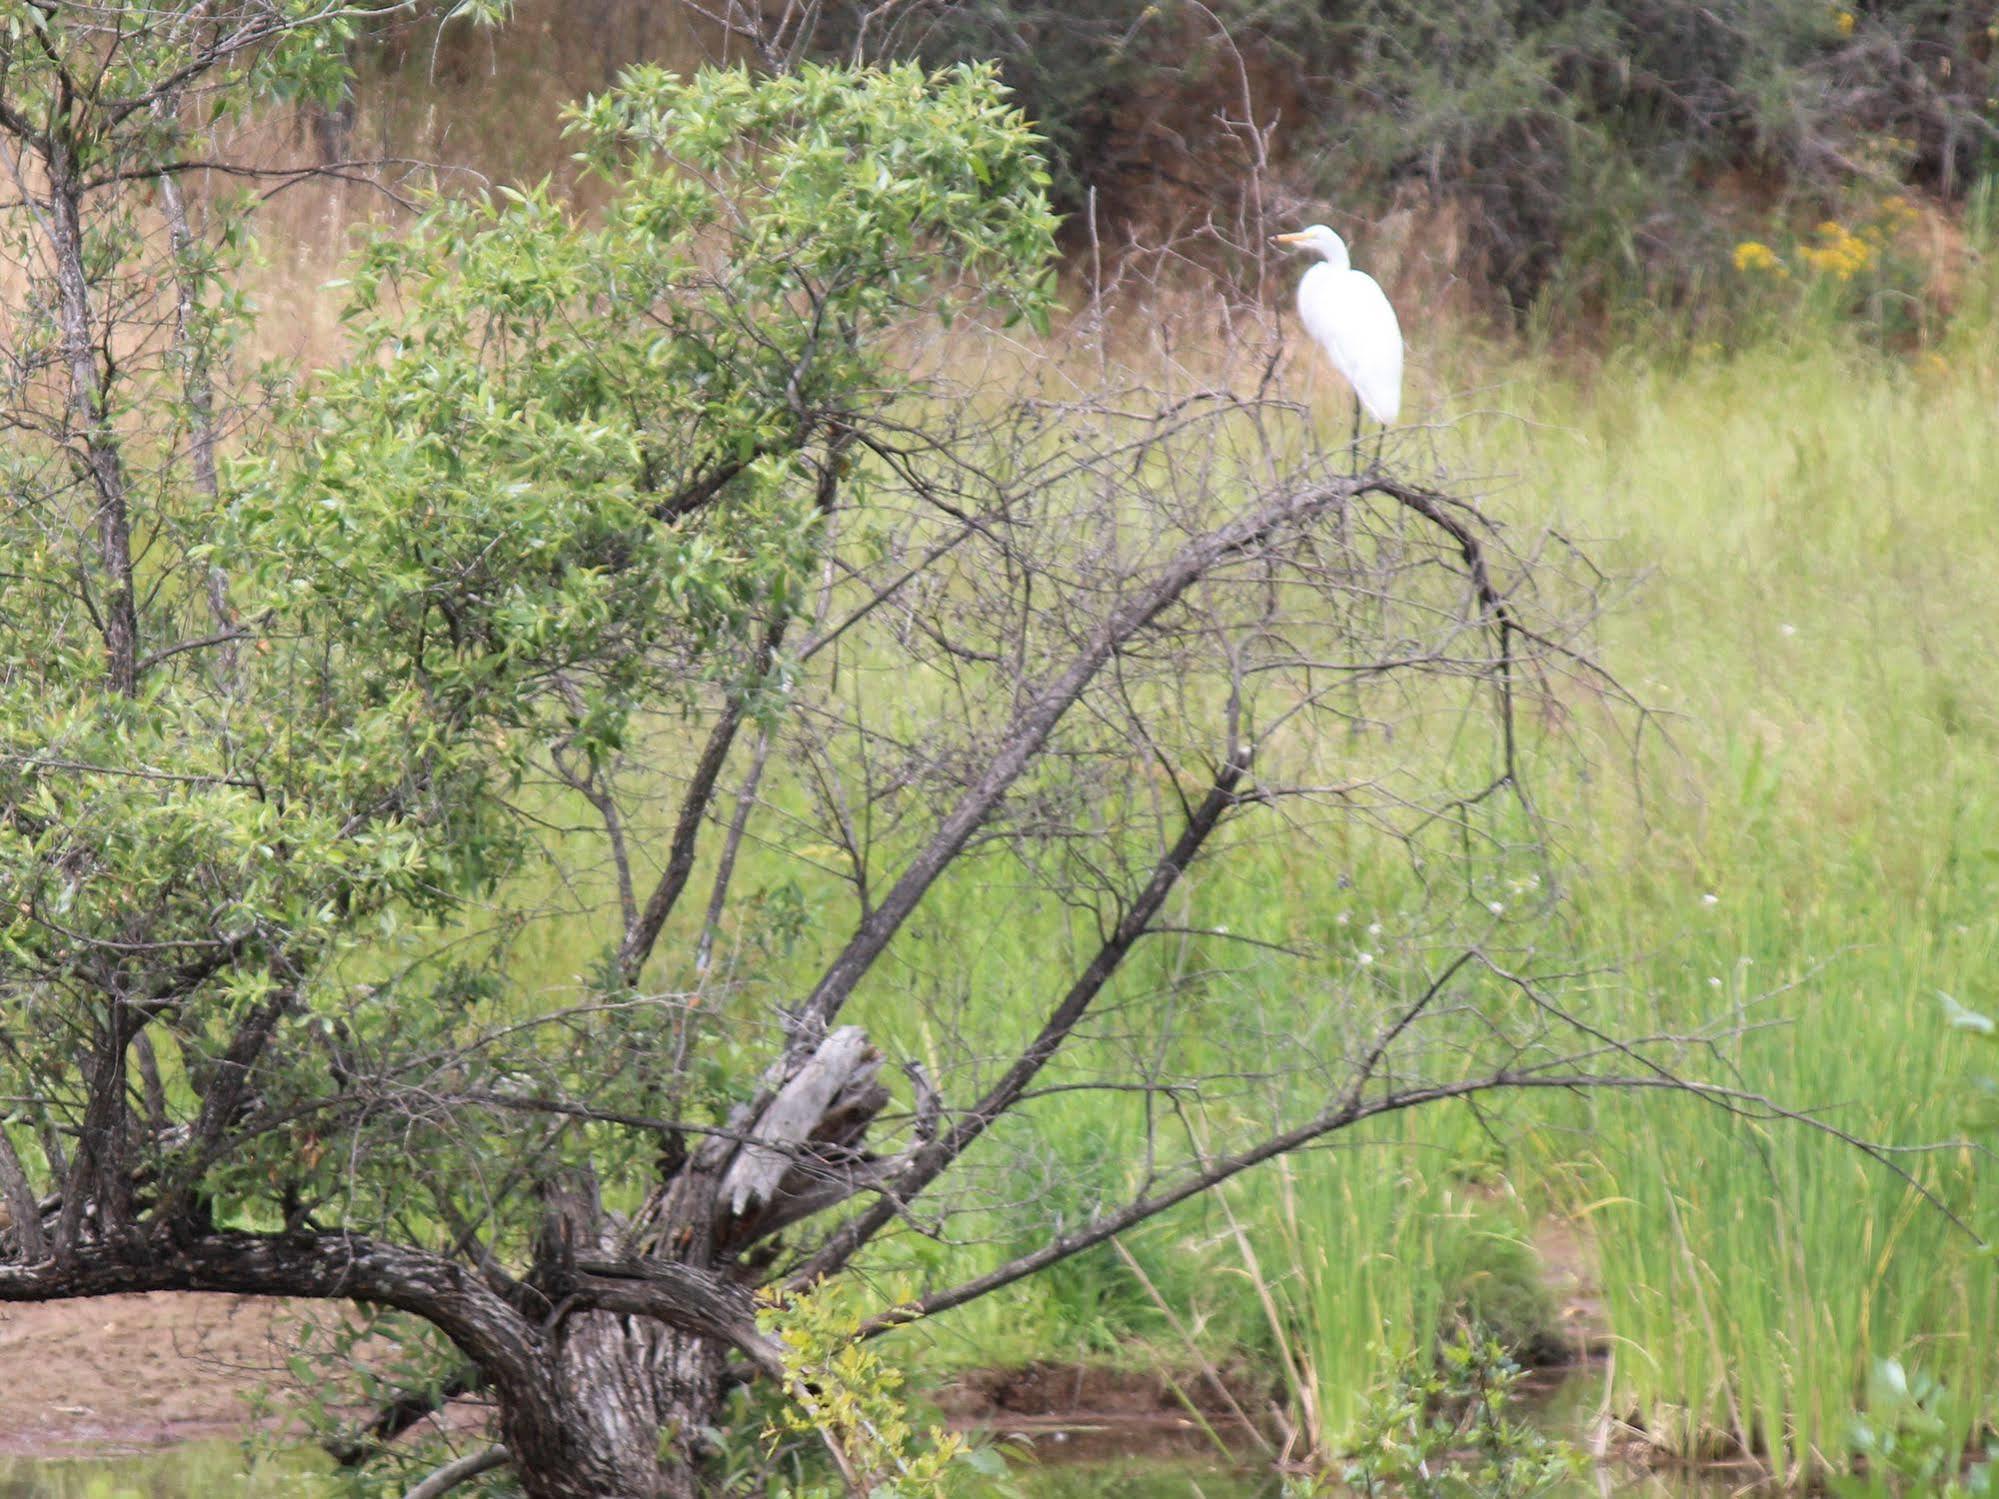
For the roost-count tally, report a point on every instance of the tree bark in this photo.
(623, 1396)
(620, 1414)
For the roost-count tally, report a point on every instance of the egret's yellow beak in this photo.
(1287, 239)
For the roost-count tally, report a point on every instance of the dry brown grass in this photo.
(458, 107)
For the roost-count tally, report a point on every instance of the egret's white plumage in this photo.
(1349, 316)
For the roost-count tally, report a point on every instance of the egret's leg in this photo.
(1380, 436)
(1354, 447)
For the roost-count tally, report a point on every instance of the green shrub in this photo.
(1603, 152)
(1443, 1429)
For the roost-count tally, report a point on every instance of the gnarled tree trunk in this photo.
(619, 1398)
(620, 1404)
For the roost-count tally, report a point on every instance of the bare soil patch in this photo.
(129, 1373)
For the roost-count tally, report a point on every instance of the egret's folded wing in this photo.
(1349, 316)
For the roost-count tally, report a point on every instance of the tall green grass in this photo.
(1367, 1254)
(1821, 527)
(1807, 854)
(1812, 530)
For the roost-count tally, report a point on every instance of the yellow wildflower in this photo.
(1754, 255)
(1839, 252)
(1844, 23)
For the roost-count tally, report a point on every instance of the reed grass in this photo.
(1821, 854)
(1810, 526)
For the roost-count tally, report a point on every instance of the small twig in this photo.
(459, 1470)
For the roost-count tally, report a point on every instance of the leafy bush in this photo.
(1911, 1442)
(1079, 70)
(1442, 1430)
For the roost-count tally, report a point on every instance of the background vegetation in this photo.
(1580, 153)
(1560, 159)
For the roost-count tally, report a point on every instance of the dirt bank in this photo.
(127, 1373)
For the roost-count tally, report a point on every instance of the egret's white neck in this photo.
(1333, 250)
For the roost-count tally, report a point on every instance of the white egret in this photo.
(1349, 316)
